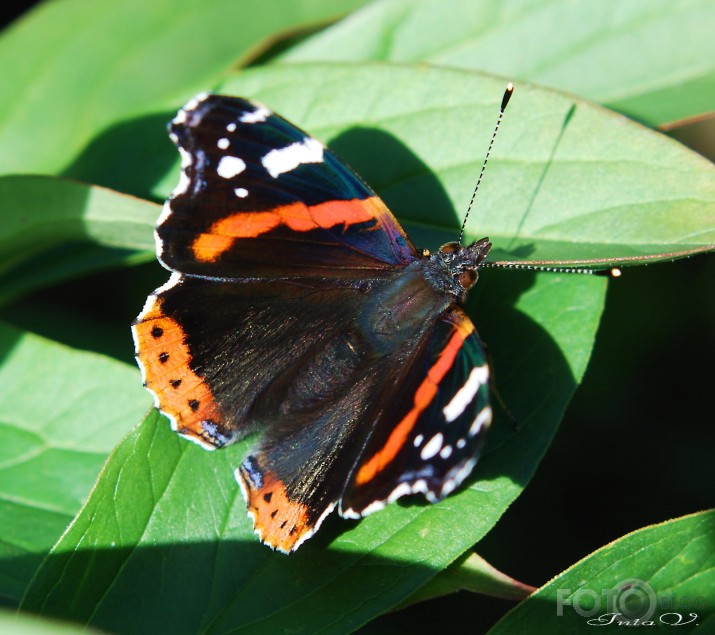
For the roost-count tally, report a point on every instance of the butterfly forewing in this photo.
(260, 198)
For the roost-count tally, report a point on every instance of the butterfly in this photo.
(299, 309)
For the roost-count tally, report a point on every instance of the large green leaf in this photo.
(664, 573)
(167, 522)
(61, 411)
(567, 181)
(50, 228)
(74, 69)
(654, 61)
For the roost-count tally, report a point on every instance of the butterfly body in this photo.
(300, 310)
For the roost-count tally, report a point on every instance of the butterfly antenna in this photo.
(505, 100)
(612, 272)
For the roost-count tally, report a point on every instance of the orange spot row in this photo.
(279, 521)
(209, 247)
(165, 358)
(423, 397)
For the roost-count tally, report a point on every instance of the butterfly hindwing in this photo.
(260, 198)
(433, 439)
(369, 444)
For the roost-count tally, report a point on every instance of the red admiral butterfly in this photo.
(300, 309)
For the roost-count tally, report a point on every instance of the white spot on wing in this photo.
(186, 159)
(446, 452)
(418, 440)
(197, 440)
(223, 143)
(183, 184)
(231, 127)
(461, 443)
(484, 417)
(261, 113)
(419, 486)
(371, 508)
(432, 447)
(456, 476)
(241, 192)
(283, 160)
(228, 167)
(180, 117)
(193, 103)
(399, 491)
(465, 395)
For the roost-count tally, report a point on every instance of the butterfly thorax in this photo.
(402, 307)
(453, 269)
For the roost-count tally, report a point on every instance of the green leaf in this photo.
(73, 70)
(654, 61)
(567, 181)
(48, 224)
(61, 411)
(167, 521)
(654, 574)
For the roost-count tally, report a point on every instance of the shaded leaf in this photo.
(48, 223)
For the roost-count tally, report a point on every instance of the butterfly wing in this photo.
(340, 417)
(436, 428)
(285, 358)
(260, 198)
(410, 421)
(209, 350)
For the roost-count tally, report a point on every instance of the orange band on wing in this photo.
(279, 521)
(423, 398)
(209, 247)
(180, 392)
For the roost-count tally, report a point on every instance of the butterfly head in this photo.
(463, 262)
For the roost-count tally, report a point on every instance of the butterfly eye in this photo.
(450, 248)
(467, 278)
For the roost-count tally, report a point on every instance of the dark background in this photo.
(634, 448)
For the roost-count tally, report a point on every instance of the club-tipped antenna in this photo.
(612, 272)
(505, 100)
